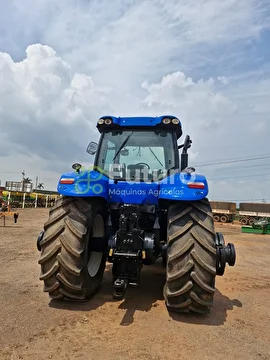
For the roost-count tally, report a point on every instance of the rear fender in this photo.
(183, 186)
(88, 183)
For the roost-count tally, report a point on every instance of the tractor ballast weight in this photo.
(130, 213)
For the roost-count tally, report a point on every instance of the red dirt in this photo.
(139, 327)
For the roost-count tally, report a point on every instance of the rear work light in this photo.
(104, 121)
(196, 185)
(67, 181)
(175, 121)
(166, 121)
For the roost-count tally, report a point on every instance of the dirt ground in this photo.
(139, 327)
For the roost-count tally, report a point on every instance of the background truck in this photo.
(223, 211)
(250, 212)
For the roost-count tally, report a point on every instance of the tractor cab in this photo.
(132, 149)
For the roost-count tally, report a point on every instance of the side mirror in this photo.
(92, 148)
(76, 167)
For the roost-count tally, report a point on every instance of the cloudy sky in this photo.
(65, 63)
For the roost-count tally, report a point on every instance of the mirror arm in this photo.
(184, 155)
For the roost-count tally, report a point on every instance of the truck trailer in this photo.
(250, 212)
(223, 211)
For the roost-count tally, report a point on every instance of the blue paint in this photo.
(86, 184)
(139, 120)
(94, 184)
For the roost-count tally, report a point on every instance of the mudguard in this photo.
(178, 186)
(184, 186)
(89, 183)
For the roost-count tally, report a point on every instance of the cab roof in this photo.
(139, 122)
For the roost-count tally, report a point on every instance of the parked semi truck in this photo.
(250, 212)
(223, 211)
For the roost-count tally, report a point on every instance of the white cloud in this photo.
(199, 103)
(48, 95)
(223, 79)
(214, 21)
(124, 42)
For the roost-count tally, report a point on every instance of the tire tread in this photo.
(191, 258)
(62, 249)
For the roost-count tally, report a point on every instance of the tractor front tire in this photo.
(69, 269)
(191, 257)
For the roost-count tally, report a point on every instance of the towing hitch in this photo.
(127, 253)
(126, 271)
(120, 286)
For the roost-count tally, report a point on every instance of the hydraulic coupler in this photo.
(225, 254)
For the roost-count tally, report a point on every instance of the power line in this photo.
(228, 172)
(234, 161)
(239, 176)
(243, 157)
(249, 166)
(232, 172)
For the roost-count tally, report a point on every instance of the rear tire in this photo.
(69, 269)
(191, 257)
(216, 218)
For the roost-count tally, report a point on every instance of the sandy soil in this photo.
(139, 327)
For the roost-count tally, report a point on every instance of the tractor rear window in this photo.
(136, 154)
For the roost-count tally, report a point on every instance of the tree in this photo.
(27, 180)
(40, 186)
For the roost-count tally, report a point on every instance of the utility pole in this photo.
(36, 182)
(23, 174)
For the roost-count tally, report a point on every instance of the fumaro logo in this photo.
(88, 180)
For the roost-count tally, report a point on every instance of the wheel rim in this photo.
(95, 257)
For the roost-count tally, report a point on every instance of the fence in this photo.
(26, 200)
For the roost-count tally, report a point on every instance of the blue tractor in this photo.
(138, 203)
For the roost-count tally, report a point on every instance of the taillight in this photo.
(67, 181)
(196, 185)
